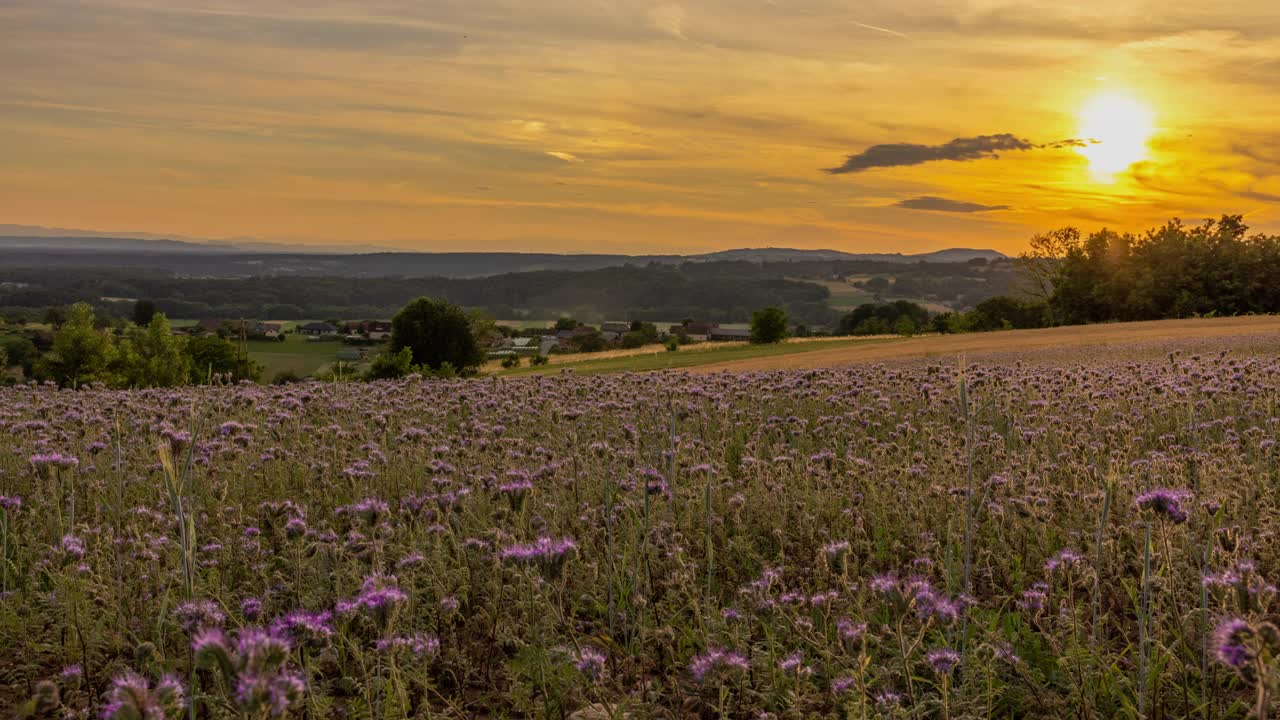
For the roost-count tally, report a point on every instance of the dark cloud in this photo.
(938, 204)
(901, 154)
(1070, 143)
(971, 148)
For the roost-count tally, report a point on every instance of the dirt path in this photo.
(1046, 340)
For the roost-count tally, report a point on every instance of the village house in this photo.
(318, 329)
(210, 326)
(525, 345)
(375, 330)
(270, 331)
(516, 346)
(719, 334)
(696, 331)
(566, 338)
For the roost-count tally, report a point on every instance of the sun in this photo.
(1116, 127)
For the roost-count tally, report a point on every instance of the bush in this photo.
(391, 365)
(539, 360)
(511, 361)
(883, 319)
(634, 340)
(673, 344)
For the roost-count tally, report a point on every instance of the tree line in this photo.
(714, 292)
(1173, 271)
(1068, 278)
(86, 349)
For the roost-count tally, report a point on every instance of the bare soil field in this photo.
(1047, 342)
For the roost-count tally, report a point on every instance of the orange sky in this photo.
(586, 125)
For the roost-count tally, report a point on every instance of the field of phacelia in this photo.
(1015, 538)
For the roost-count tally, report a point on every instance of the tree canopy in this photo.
(1172, 271)
(768, 325)
(81, 353)
(436, 332)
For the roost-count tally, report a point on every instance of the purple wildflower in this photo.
(887, 699)
(886, 584)
(72, 547)
(303, 627)
(590, 662)
(942, 660)
(194, 615)
(419, 645)
(251, 608)
(1064, 560)
(380, 597)
(1165, 503)
(837, 554)
(716, 662)
(132, 696)
(1229, 643)
(548, 553)
(53, 461)
(1034, 598)
(794, 663)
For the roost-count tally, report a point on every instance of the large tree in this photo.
(768, 325)
(212, 356)
(21, 352)
(436, 332)
(153, 356)
(81, 353)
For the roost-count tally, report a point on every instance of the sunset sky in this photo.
(628, 126)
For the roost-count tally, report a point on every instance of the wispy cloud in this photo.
(669, 19)
(940, 204)
(567, 157)
(876, 28)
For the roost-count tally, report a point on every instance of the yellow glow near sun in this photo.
(1116, 127)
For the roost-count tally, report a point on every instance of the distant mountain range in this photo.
(950, 255)
(235, 258)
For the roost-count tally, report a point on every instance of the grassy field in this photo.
(296, 354)
(844, 296)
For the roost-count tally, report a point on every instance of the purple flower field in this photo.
(1089, 537)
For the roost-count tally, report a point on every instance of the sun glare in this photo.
(1116, 128)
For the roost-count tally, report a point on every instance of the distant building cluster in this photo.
(358, 336)
(608, 335)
